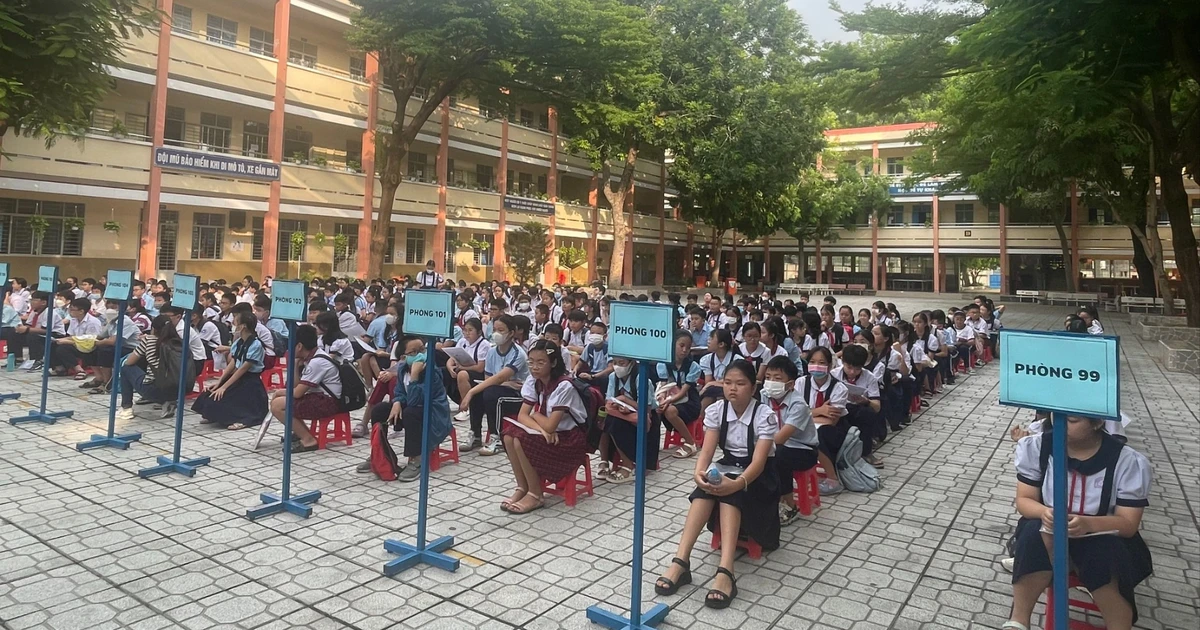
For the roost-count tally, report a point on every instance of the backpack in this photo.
(170, 359)
(384, 463)
(225, 333)
(853, 471)
(593, 402)
(279, 344)
(354, 390)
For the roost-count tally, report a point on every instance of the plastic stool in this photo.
(697, 429)
(808, 493)
(672, 439)
(444, 456)
(274, 378)
(1083, 604)
(568, 487)
(3, 349)
(206, 372)
(987, 354)
(338, 432)
(914, 405)
(753, 549)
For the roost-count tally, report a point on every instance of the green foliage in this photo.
(297, 244)
(112, 226)
(319, 239)
(54, 55)
(528, 251)
(976, 266)
(819, 204)
(341, 245)
(572, 258)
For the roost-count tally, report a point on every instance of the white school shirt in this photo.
(264, 335)
(758, 357)
(892, 364)
(1096, 328)
(792, 411)
(1131, 483)
(980, 326)
(479, 349)
(714, 368)
(349, 325)
(322, 372)
(563, 397)
(194, 342)
(20, 301)
(212, 313)
(53, 324)
(427, 280)
(339, 349)
(865, 380)
(208, 333)
(835, 393)
(89, 325)
(466, 315)
(759, 414)
(575, 338)
(967, 333)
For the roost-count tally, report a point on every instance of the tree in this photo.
(976, 266)
(54, 57)
(504, 50)
(571, 258)
(528, 251)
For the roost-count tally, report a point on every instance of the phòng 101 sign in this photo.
(429, 313)
(287, 300)
(642, 331)
(120, 285)
(1064, 372)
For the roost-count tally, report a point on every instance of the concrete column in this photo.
(733, 259)
(443, 174)
(368, 168)
(592, 242)
(937, 250)
(551, 270)
(148, 245)
(627, 268)
(283, 11)
(883, 273)
(829, 271)
(875, 225)
(498, 256)
(1004, 288)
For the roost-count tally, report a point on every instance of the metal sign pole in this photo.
(1061, 562)
(3, 292)
(47, 281)
(172, 464)
(115, 441)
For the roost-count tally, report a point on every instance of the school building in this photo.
(238, 141)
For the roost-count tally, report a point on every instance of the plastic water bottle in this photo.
(12, 362)
(713, 475)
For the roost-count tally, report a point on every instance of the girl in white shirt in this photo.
(331, 339)
(746, 497)
(713, 366)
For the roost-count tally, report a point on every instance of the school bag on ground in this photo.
(854, 472)
(354, 390)
(383, 458)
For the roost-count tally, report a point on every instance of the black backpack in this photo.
(354, 390)
(223, 330)
(279, 344)
(170, 359)
(593, 402)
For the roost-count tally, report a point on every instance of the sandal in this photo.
(1013, 625)
(603, 471)
(874, 461)
(236, 426)
(301, 448)
(685, 451)
(517, 508)
(507, 504)
(718, 600)
(620, 475)
(665, 586)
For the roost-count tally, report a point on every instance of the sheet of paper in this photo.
(1103, 533)
(460, 356)
(855, 390)
(622, 404)
(524, 428)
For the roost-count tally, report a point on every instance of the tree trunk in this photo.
(1153, 243)
(622, 231)
(715, 259)
(1183, 241)
(1147, 274)
(1069, 271)
(803, 261)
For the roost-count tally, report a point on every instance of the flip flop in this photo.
(236, 426)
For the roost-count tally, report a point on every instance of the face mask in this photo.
(819, 372)
(774, 389)
(864, 345)
(96, 297)
(622, 371)
(60, 303)
(498, 338)
(594, 339)
(110, 314)
(413, 359)
(389, 319)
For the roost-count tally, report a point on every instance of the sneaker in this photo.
(493, 447)
(787, 514)
(157, 406)
(471, 443)
(364, 467)
(168, 410)
(463, 416)
(37, 365)
(971, 372)
(827, 487)
(411, 472)
(359, 430)
(125, 413)
(90, 384)
(1007, 563)
(143, 401)
(453, 407)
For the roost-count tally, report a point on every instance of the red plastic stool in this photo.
(808, 493)
(3, 349)
(568, 487)
(206, 372)
(672, 440)
(915, 405)
(753, 549)
(338, 432)
(960, 365)
(1083, 604)
(987, 354)
(445, 456)
(274, 378)
(697, 429)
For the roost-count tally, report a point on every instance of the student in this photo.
(505, 370)
(1091, 317)
(459, 379)
(541, 319)
(331, 339)
(889, 368)
(429, 278)
(677, 396)
(19, 295)
(618, 443)
(238, 400)
(772, 342)
(317, 395)
(796, 443)
(593, 366)
(547, 440)
(713, 366)
(497, 308)
(464, 303)
(142, 364)
(745, 501)
(833, 335)
(752, 349)
(1114, 489)
(981, 329)
(964, 340)
(827, 398)
(926, 345)
(699, 328)
(862, 410)
(383, 332)
(108, 345)
(407, 410)
(864, 320)
(208, 333)
(80, 343)
(575, 335)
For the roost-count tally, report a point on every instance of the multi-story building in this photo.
(238, 141)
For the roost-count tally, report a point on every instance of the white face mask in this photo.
(622, 371)
(864, 345)
(60, 303)
(774, 389)
(110, 314)
(498, 338)
(389, 319)
(594, 339)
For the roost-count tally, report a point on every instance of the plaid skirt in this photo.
(551, 461)
(314, 406)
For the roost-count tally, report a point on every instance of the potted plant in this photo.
(355, 166)
(298, 158)
(297, 241)
(319, 238)
(73, 223)
(118, 129)
(112, 226)
(320, 160)
(341, 245)
(37, 230)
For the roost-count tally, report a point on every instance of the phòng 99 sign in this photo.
(1064, 372)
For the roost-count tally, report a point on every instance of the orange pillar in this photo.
(368, 169)
(883, 274)
(733, 259)
(148, 246)
(283, 10)
(875, 225)
(1004, 289)
(551, 271)
(498, 256)
(593, 238)
(439, 229)
(937, 254)
(1073, 263)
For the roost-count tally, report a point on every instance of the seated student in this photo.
(351, 326)
(747, 501)
(864, 320)
(107, 346)
(208, 332)
(317, 395)
(833, 335)
(504, 370)
(383, 332)
(932, 349)
(826, 397)
(541, 319)
(772, 340)
(554, 333)
(575, 335)
(330, 337)
(964, 340)
(238, 400)
(459, 379)
(713, 366)
(195, 345)
(10, 319)
(80, 344)
(699, 329)
(547, 440)
(407, 411)
(497, 308)
(1091, 317)
(618, 444)
(677, 397)
(1114, 490)
(752, 349)
(142, 365)
(946, 337)
(890, 367)
(796, 443)
(593, 366)
(862, 410)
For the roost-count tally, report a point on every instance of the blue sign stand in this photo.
(3, 290)
(287, 302)
(119, 288)
(638, 332)
(428, 313)
(47, 281)
(1065, 374)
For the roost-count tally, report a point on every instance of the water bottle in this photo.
(12, 362)
(713, 475)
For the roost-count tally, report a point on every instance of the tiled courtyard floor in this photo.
(86, 544)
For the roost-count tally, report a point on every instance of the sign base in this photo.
(186, 467)
(4, 397)
(116, 441)
(608, 619)
(297, 504)
(45, 417)
(410, 556)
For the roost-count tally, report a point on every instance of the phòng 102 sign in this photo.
(120, 285)
(428, 313)
(1063, 372)
(642, 331)
(287, 300)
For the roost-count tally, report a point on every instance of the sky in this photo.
(822, 21)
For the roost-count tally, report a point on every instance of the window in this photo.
(418, 167)
(1100, 216)
(222, 31)
(64, 229)
(181, 19)
(1196, 212)
(358, 68)
(542, 184)
(302, 53)
(964, 213)
(895, 166)
(389, 253)
(453, 101)
(208, 235)
(354, 152)
(174, 126)
(524, 183)
(168, 239)
(916, 265)
(490, 108)
(484, 177)
(922, 213)
(256, 238)
(136, 124)
(262, 42)
(346, 261)
(526, 118)
(419, 92)
(286, 228)
(215, 131)
(103, 120)
(993, 214)
(414, 247)
(255, 139)
(895, 215)
(544, 121)
(484, 256)
(451, 250)
(296, 143)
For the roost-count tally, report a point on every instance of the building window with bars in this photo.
(895, 215)
(287, 227)
(922, 213)
(346, 261)
(895, 166)
(358, 68)
(262, 42)
(137, 125)
(483, 256)
(215, 131)
(964, 213)
(222, 31)
(302, 53)
(389, 251)
(63, 234)
(418, 167)
(414, 246)
(208, 235)
(181, 19)
(256, 238)
(168, 239)
(174, 126)
(450, 250)
(255, 138)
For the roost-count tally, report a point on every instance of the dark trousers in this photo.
(965, 352)
(484, 405)
(67, 356)
(869, 424)
(14, 341)
(133, 380)
(411, 420)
